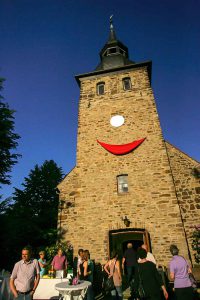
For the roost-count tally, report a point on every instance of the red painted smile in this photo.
(121, 149)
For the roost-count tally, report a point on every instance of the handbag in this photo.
(109, 282)
(141, 291)
(193, 280)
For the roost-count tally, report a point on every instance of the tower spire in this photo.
(114, 53)
(111, 22)
(112, 35)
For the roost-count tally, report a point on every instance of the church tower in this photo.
(122, 188)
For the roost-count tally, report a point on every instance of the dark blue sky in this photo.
(45, 43)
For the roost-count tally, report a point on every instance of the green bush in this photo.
(196, 243)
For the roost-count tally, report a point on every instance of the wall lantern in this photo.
(127, 222)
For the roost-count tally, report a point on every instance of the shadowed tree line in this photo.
(30, 215)
(8, 139)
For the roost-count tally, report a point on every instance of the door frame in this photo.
(145, 234)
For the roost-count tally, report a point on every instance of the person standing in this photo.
(86, 269)
(25, 276)
(90, 266)
(77, 261)
(148, 275)
(179, 273)
(59, 263)
(150, 256)
(129, 261)
(112, 268)
(42, 263)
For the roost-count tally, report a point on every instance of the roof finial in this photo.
(112, 32)
(111, 22)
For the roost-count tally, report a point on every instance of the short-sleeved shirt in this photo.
(130, 257)
(42, 269)
(24, 275)
(59, 262)
(149, 257)
(179, 266)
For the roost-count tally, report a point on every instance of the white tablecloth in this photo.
(73, 291)
(5, 293)
(45, 290)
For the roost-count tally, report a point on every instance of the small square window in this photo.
(112, 50)
(100, 88)
(127, 83)
(122, 184)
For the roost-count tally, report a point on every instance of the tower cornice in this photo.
(147, 64)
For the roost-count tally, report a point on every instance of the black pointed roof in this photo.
(114, 53)
(114, 57)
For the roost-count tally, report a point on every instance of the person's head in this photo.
(114, 254)
(26, 253)
(144, 246)
(80, 252)
(87, 254)
(174, 250)
(42, 254)
(142, 253)
(60, 251)
(129, 245)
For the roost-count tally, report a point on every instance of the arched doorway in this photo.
(119, 238)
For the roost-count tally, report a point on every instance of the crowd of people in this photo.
(138, 266)
(143, 277)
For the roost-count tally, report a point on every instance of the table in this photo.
(46, 288)
(5, 292)
(69, 292)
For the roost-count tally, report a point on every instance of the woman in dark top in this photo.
(84, 271)
(150, 278)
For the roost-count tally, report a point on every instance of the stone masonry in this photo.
(162, 198)
(187, 189)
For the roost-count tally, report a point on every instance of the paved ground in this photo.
(126, 296)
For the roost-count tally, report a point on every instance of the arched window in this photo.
(122, 183)
(100, 88)
(126, 83)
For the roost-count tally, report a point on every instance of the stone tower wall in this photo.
(187, 188)
(151, 201)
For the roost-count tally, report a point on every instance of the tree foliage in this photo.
(196, 243)
(8, 140)
(32, 217)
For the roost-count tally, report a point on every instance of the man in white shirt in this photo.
(150, 256)
(25, 276)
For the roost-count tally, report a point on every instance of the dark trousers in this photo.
(131, 280)
(90, 293)
(184, 293)
(130, 273)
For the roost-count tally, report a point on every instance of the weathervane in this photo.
(111, 22)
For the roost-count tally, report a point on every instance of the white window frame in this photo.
(122, 184)
(124, 84)
(99, 85)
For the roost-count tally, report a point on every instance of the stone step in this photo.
(126, 294)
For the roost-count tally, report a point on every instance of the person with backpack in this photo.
(112, 268)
